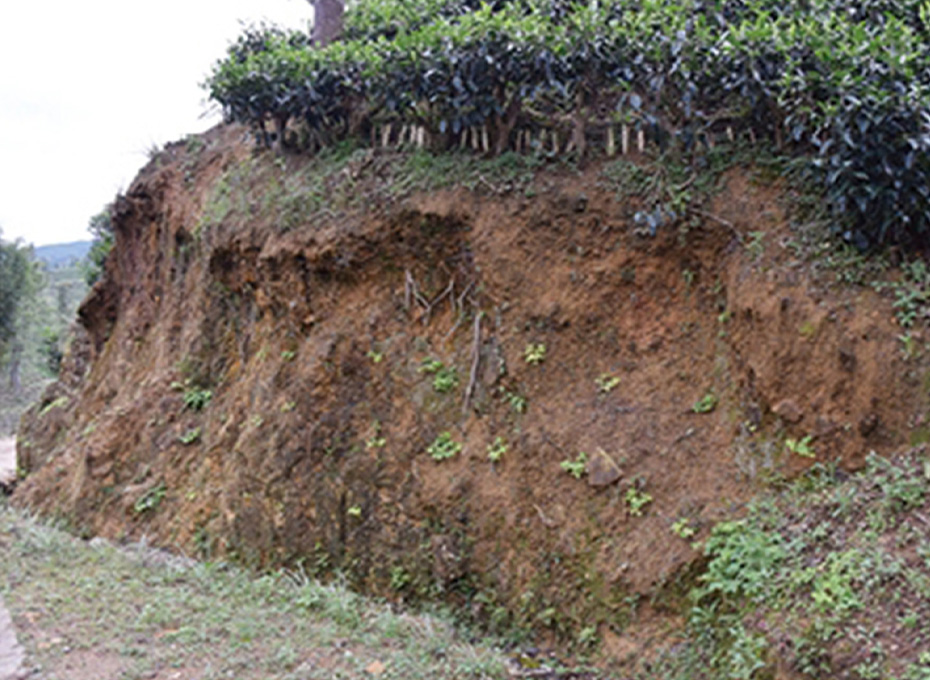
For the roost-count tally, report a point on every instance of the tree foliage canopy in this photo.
(18, 279)
(844, 84)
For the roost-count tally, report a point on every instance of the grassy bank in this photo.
(93, 610)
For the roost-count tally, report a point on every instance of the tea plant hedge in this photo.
(843, 84)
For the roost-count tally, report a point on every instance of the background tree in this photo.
(327, 21)
(18, 280)
(101, 227)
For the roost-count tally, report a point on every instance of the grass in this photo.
(139, 613)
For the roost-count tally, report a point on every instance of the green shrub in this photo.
(844, 85)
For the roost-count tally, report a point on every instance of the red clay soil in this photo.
(313, 446)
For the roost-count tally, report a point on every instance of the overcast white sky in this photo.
(87, 87)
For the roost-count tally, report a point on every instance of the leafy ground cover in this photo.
(92, 610)
(830, 578)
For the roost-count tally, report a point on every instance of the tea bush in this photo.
(840, 84)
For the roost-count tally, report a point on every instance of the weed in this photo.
(445, 379)
(288, 406)
(376, 442)
(909, 349)
(807, 330)
(705, 404)
(801, 447)
(606, 382)
(190, 436)
(683, 529)
(636, 499)
(517, 402)
(288, 355)
(430, 366)
(354, 511)
(576, 468)
(756, 244)
(911, 293)
(197, 399)
(400, 578)
(534, 354)
(443, 447)
(151, 499)
(497, 449)
(376, 357)
(744, 560)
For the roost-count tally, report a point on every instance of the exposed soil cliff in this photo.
(249, 380)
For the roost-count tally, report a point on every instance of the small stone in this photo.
(375, 668)
(602, 469)
(788, 410)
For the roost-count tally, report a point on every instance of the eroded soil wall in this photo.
(678, 363)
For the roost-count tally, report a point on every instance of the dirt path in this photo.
(7, 462)
(11, 654)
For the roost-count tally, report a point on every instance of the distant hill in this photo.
(62, 254)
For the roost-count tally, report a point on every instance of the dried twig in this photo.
(475, 360)
(719, 220)
(412, 292)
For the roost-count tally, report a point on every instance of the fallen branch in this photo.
(475, 360)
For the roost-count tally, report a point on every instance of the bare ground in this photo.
(7, 460)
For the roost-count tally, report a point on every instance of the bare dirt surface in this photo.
(11, 654)
(253, 383)
(7, 460)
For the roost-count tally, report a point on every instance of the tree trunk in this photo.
(16, 385)
(327, 21)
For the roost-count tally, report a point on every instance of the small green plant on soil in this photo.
(443, 447)
(689, 276)
(576, 468)
(61, 402)
(190, 436)
(636, 499)
(801, 447)
(606, 382)
(683, 529)
(430, 365)
(909, 349)
(150, 500)
(807, 330)
(534, 354)
(756, 244)
(197, 399)
(288, 406)
(705, 404)
(288, 355)
(354, 511)
(497, 449)
(377, 441)
(445, 379)
(376, 357)
(911, 293)
(516, 401)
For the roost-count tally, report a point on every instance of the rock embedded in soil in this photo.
(603, 470)
(788, 410)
